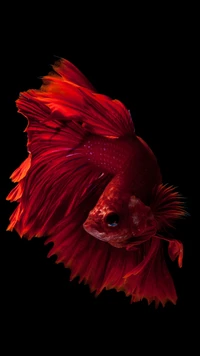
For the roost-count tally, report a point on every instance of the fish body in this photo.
(95, 189)
(117, 198)
(112, 155)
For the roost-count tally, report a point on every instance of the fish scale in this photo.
(109, 154)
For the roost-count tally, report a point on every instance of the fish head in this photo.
(123, 221)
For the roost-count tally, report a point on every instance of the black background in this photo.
(146, 60)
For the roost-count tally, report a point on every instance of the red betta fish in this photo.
(94, 189)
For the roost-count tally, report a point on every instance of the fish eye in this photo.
(112, 219)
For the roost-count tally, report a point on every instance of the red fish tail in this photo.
(47, 179)
(60, 115)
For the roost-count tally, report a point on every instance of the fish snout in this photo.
(94, 228)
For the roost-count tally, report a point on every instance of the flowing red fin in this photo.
(167, 205)
(136, 270)
(150, 279)
(21, 171)
(175, 249)
(14, 218)
(16, 192)
(73, 100)
(57, 177)
(71, 74)
(101, 266)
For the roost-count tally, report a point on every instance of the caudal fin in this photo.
(55, 177)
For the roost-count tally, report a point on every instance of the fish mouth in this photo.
(92, 228)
